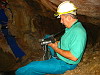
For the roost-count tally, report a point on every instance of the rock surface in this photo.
(30, 20)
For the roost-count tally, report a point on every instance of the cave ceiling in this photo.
(88, 10)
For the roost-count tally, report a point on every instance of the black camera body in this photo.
(48, 40)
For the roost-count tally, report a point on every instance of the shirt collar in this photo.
(66, 29)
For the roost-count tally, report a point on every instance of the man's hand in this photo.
(66, 54)
(53, 45)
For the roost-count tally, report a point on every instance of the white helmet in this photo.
(65, 8)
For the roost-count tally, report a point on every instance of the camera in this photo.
(48, 40)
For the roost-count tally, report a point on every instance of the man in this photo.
(69, 50)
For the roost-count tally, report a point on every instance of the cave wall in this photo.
(30, 20)
(31, 16)
(21, 24)
(7, 58)
(89, 9)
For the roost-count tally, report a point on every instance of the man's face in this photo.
(64, 21)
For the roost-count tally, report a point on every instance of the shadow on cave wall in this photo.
(8, 73)
(93, 35)
(46, 25)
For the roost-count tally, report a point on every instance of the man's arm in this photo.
(66, 54)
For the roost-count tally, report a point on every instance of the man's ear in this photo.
(68, 18)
